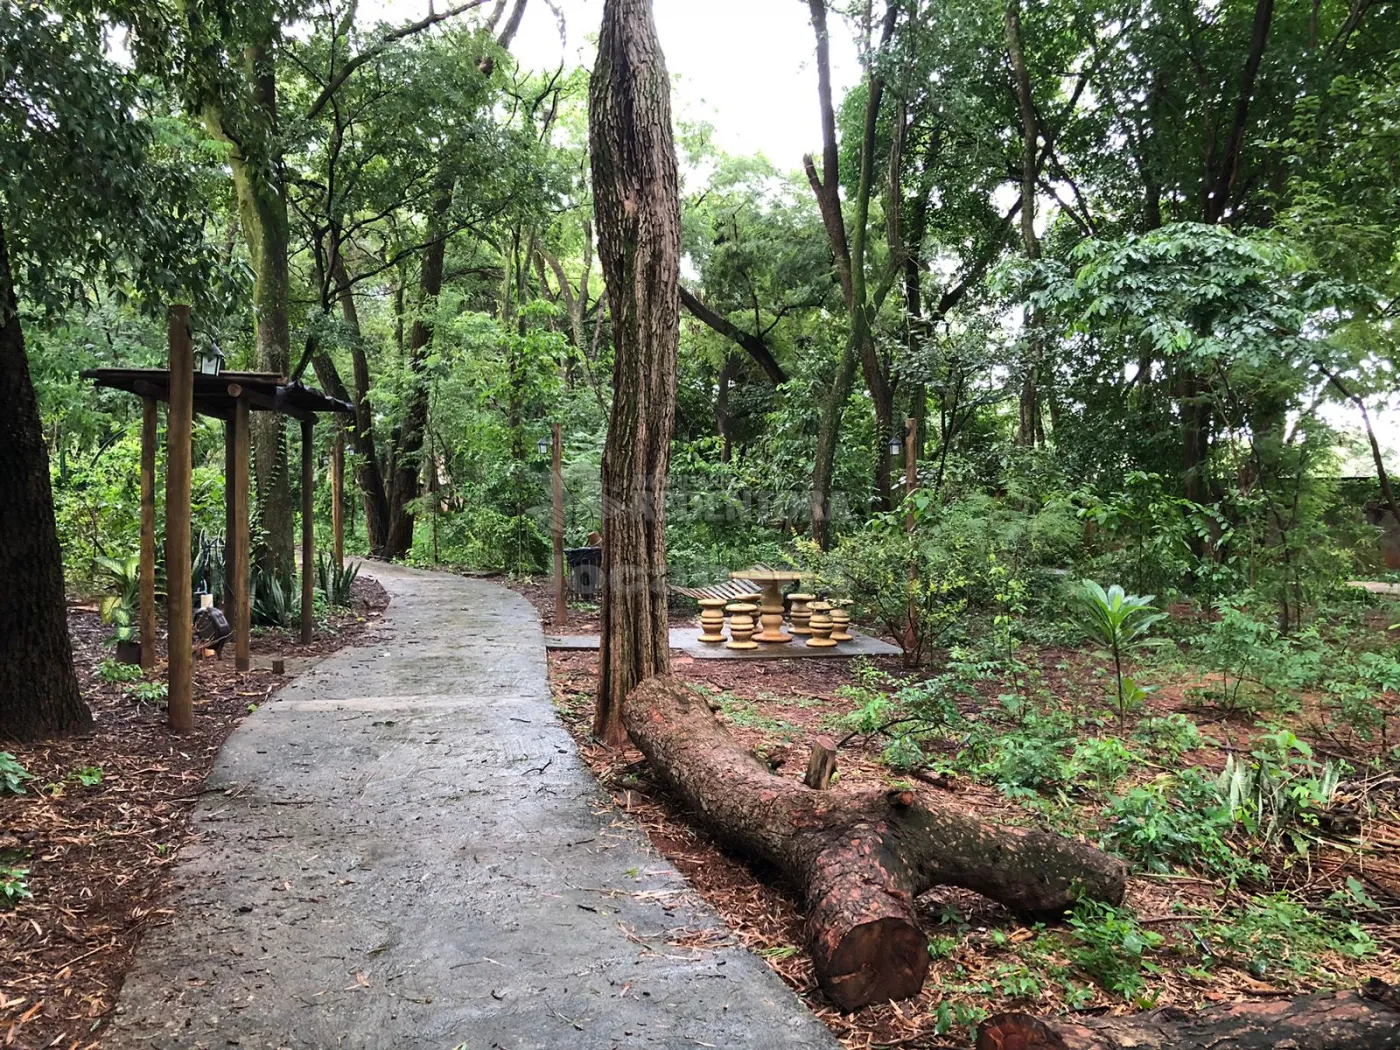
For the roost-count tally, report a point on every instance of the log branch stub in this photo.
(1368, 1019)
(821, 764)
(860, 857)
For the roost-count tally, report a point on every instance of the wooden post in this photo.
(148, 533)
(238, 543)
(230, 507)
(308, 534)
(911, 482)
(338, 497)
(179, 462)
(561, 601)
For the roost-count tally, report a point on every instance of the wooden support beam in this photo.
(237, 544)
(338, 497)
(561, 601)
(179, 463)
(308, 533)
(149, 419)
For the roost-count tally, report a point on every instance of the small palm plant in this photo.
(1120, 623)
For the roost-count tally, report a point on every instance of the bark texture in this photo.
(860, 858)
(38, 689)
(637, 213)
(406, 480)
(1364, 1020)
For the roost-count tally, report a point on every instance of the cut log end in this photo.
(875, 962)
(1016, 1032)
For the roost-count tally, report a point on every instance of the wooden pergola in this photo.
(230, 396)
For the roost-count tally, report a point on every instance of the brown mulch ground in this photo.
(100, 856)
(777, 708)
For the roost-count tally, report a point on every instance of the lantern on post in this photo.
(209, 360)
(542, 446)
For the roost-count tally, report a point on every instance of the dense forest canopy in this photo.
(1116, 260)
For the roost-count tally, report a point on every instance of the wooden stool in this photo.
(800, 612)
(712, 619)
(840, 625)
(741, 626)
(821, 626)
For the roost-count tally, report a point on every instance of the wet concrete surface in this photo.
(403, 850)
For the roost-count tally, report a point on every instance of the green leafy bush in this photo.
(113, 671)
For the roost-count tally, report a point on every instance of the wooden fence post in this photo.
(561, 600)
(308, 532)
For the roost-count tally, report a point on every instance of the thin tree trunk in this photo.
(1029, 428)
(38, 688)
(637, 210)
(722, 410)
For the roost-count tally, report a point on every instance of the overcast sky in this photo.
(745, 66)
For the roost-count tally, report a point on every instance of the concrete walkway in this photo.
(403, 850)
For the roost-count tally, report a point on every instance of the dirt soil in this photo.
(777, 708)
(99, 857)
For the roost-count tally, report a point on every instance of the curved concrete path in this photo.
(403, 850)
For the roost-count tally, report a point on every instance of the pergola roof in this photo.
(216, 395)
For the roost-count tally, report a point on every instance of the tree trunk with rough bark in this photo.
(859, 858)
(258, 180)
(637, 211)
(1364, 1020)
(38, 688)
(405, 485)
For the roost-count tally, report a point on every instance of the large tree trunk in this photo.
(38, 689)
(859, 858)
(1365, 1020)
(637, 209)
(367, 470)
(406, 483)
(258, 179)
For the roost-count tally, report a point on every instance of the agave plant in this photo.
(336, 581)
(1119, 622)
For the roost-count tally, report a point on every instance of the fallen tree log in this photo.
(859, 858)
(1364, 1020)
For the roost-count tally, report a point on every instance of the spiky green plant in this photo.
(1119, 622)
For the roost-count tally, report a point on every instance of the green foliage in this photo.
(1120, 623)
(274, 602)
(147, 692)
(336, 581)
(87, 776)
(113, 671)
(1177, 821)
(1106, 760)
(1110, 946)
(1278, 794)
(1170, 735)
(1278, 933)
(14, 885)
(12, 775)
